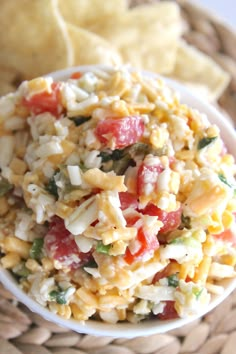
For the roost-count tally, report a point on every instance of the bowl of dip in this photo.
(117, 201)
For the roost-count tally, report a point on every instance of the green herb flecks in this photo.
(197, 292)
(60, 296)
(117, 160)
(101, 248)
(185, 221)
(36, 251)
(120, 166)
(224, 180)
(80, 120)
(173, 280)
(51, 187)
(142, 149)
(5, 186)
(91, 264)
(205, 142)
(115, 155)
(21, 270)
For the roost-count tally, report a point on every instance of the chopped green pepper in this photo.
(21, 270)
(101, 248)
(51, 187)
(59, 296)
(80, 120)
(114, 155)
(224, 180)
(91, 264)
(186, 221)
(205, 142)
(138, 149)
(5, 186)
(36, 251)
(173, 280)
(197, 293)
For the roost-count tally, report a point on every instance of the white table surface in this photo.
(226, 9)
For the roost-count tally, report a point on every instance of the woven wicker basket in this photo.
(23, 332)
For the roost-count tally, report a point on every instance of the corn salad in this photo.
(117, 201)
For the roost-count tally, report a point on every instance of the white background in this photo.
(226, 9)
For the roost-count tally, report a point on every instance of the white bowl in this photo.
(128, 330)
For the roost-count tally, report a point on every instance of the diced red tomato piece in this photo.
(76, 75)
(147, 175)
(169, 312)
(148, 244)
(131, 219)
(227, 236)
(171, 220)
(45, 102)
(124, 131)
(128, 200)
(61, 246)
(171, 268)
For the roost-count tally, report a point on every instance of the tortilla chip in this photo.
(146, 36)
(8, 74)
(91, 13)
(34, 38)
(91, 49)
(197, 69)
(6, 87)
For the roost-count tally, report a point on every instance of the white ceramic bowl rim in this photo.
(145, 328)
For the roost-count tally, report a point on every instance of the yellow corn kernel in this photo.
(87, 296)
(212, 131)
(64, 311)
(227, 159)
(216, 226)
(120, 107)
(227, 219)
(39, 85)
(118, 247)
(184, 154)
(47, 264)
(124, 234)
(77, 313)
(106, 181)
(18, 166)
(63, 210)
(4, 206)
(231, 206)
(174, 182)
(228, 259)
(33, 265)
(68, 147)
(10, 260)
(159, 137)
(20, 247)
